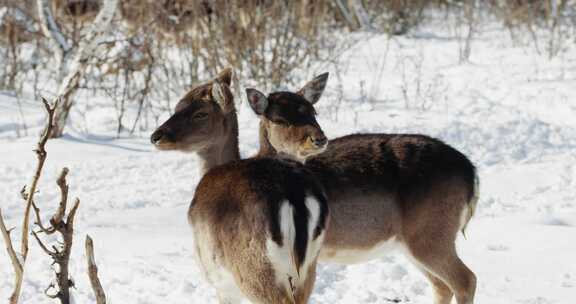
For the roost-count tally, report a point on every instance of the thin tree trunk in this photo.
(343, 8)
(72, 62)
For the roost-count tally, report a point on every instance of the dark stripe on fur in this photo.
(282, 180)
(260, 185)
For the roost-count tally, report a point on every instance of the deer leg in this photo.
(467, 288)
(461, 279)
(442, 292)
(444, 264)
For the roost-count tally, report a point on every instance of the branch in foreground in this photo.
(41, 156)
(61, 182)
(93, 272)
(65, 227)
(18, 262)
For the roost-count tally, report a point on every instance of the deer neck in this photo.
(223, 150)
(266, 148)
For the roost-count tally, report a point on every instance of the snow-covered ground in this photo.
(510, 109)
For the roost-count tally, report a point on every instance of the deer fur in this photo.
(259, 226)
(258, 223)
(412, 193)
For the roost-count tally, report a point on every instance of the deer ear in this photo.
(313, 90)
(225, 76)
(220, 96)
(257, 100)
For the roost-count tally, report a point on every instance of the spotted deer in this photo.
(258, 223)
(393, 191)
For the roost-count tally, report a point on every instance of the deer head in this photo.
(288, 120)
(204, 117)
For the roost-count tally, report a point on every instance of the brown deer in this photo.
(258, 223)
(385, 191)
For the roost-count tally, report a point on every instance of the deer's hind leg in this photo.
(435, 252)
(441, 292)
(430, 242)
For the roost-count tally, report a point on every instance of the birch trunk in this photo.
(72, 61)
(361, 14)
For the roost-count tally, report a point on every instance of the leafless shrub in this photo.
(467, 17)
(553, 18)
(76, 11)
(18, 259)
(21, 125)
(61, 222)
(16, 29)
(160, 48)
(332, 109)
(72, 58)
(417, 92)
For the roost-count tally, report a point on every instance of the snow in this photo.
(510, 109)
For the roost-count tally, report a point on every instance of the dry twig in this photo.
(65, 227)
(93, 272)
(18, 262)
(41, 156)
(61, 222)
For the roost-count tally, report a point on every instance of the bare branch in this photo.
(361, 14)
(48, 252)
(19, 263)
(62, 184)
(64, 225)
(93, 272)
(16, 263)
(71, 72)
(39, 223)
(61, 257)
(352, 24)
(50, 29)
(72, 214)
(41, 156)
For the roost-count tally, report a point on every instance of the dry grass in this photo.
(162, 47)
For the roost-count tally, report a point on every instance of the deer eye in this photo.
(200, 116)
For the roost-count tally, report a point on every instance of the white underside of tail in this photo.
(283, 258)
(314, 245)
(470, 208)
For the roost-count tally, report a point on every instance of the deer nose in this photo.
(320, 140)
(156, 136)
